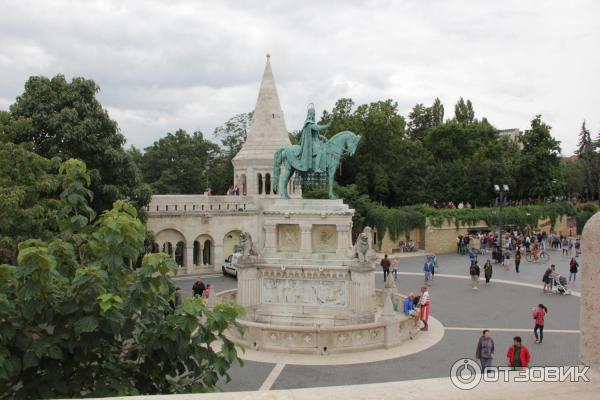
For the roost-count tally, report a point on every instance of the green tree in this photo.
(419, 121)
(437, 112)
(78, 322)
(27, 184)
(233, 133)
(539, 165)
(178, 163)
(585, 140)
(380, 151)
(67, 121)
(463, 111)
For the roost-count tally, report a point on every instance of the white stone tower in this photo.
(253, 165)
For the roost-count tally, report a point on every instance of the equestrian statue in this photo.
(315, 154)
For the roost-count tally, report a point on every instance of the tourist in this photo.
(538, 316)
(459, 244)
(209, 192)
(487, 271)
(517, 260)
(577, 247)
(548, 278)
(427, 269)
(176, 301)
(409, 308)
(198, 288)
(396, 267)
(565, 246)
(518, 355)
(411, 245)
(425, 304)
(474, 271)
(433, 265)
(207, 292)
(573, 267)
(570, 246)
(485, 350)
(385, 265)
(236, 190)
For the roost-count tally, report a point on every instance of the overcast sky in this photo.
(164, 65)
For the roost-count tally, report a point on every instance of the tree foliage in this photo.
(178, 163)
(539, 166)
(27, 210)
(64, 119)
(78, 322)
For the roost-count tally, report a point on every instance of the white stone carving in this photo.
(303, 292)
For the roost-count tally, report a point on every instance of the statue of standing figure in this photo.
(314, 154)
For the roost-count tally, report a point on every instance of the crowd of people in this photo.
(515, 245)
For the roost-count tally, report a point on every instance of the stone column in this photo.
(342, 239)
(189, 259)
(270, 239)
(306, 239)
(590, 293)
(218, 257)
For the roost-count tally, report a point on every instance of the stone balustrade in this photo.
(199, 204)
(318, 339)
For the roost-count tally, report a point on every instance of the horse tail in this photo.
(276, 168)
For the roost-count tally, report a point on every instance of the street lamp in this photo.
(502, 190)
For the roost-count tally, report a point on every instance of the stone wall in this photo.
(443, 239)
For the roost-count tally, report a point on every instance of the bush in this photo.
(77, 321)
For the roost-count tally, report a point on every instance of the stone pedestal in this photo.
(590, 292)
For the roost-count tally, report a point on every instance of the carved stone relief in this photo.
(288, 237)
(303, 292)
(324, 239)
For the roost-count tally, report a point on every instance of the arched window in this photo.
(260, 183)
(196, 253)
(268, 184)
(206, 250)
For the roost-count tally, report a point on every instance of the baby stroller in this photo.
(560, 285)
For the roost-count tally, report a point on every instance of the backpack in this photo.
(473, 270)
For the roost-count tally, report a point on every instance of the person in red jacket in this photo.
(518, 355)
(538, 316)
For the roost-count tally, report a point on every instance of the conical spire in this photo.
(267, 130)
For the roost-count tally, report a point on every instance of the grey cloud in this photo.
(193, 64)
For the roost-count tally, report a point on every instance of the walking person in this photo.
(517, 260)
(573, 268)
(474, 271)
(433, 265)
(198, 288)
(518, 356)
(385, 265)
(485, 350)
(488, 271)
(427, 269)
(396, 267)
(425, 302)
(539, 314)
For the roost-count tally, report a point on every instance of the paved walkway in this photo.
(504, 306)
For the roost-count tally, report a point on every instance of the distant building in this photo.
(513, 133)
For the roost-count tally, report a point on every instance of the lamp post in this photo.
(502, 190)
